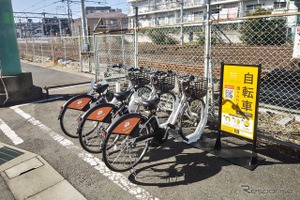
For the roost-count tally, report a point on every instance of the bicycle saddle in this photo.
(121, 96)
(151, 104)
(100, 88)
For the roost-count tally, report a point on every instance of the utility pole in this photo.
(69, 17)
(84, 26)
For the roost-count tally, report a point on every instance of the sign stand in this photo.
(238, 112)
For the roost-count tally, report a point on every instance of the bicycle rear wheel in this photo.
(121, 152)
(93, 125)
(91, 135)
(71, 111)
(165, 106)
(191, 117)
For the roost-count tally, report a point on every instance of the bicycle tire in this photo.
(188, 123)
(69, 113)
(143, 93)
(93, 125)
(165, 106)
(119, 153)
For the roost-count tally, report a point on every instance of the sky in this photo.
(57, 6)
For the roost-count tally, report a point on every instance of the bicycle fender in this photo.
(126, 125)
(100, 112)
(79, 102)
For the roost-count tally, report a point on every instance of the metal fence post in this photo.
(65, 48)
(123, 49)
(52, 50)
(80, 56)
(181, 22)
(26, 47)
(207, 54)
(96, 58)
(33, 49)
(136, 39)
(42, 51)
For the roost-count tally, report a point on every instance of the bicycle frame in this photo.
(193, 137)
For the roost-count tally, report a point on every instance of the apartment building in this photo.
(101, 19)
(168, 12)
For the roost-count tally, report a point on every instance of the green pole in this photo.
(9, 52)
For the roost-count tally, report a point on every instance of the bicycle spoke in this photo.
(123, 153)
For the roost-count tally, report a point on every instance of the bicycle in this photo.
(98, 118)
(72, 109)
(93, 123)
(127, 139)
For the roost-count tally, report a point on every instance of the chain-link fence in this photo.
(64, 51)
(114, 53)
(249, 41)
(69, 52)
(268, 41)
(161, 48)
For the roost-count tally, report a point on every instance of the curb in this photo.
(29, 176)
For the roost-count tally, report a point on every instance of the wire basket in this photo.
(195, 89)
(165, 83)
(140, 78)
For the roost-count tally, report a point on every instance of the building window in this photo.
(102, 24)
(171, 19)
(253, 7)
(160, 20)
(198, 16)
(280, 5)
(215, 14)
(113, 23)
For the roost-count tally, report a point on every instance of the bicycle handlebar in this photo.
(185, 78)
(120, 65)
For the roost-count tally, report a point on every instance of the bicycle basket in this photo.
(140, 78)
(196, 89)
(165, 83)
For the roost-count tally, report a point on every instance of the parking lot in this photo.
(173, 171)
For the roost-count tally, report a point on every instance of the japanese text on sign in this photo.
(239, 96)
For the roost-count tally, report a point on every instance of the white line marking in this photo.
(117, 178)
(39, 101)
(10, 133)
(71, 86)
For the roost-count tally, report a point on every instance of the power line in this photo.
(34, 5)
(46, 6)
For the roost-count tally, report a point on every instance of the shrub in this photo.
(159, 37)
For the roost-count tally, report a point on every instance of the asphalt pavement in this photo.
(46, 164)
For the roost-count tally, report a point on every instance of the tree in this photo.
(264, 30)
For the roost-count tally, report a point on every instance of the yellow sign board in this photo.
(239, 100)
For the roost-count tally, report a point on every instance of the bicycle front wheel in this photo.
(122, 152)
(165, 106)
(191, 117)
(142, 93)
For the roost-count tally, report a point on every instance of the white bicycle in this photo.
(128, 138)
